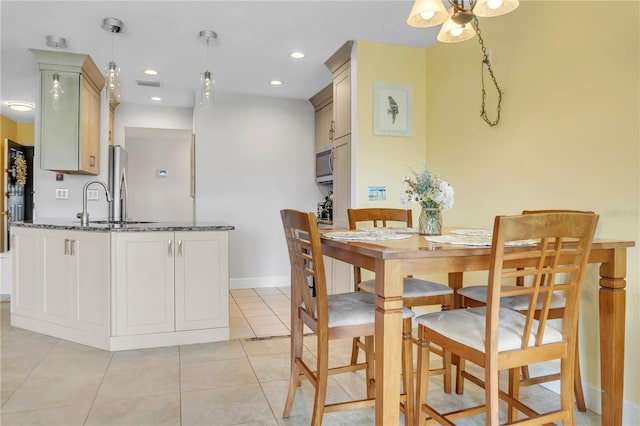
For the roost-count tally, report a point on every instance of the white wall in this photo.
(254, 157)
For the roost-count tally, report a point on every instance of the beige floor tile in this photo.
(251, 306)
(69, 359)
(241, 333)
(267, 291)
(52, 392)
(157, 410)
(226, 406)
(167, 358)
(214, 351)
(277, 300)
(139, 382)
(264, 320)
(269, 330)
(216, 374)
(71, 415)
(255, 312)
(277, 345)
(243, 292)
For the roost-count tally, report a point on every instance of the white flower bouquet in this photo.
(427, 189)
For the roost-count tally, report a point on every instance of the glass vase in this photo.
(430, 221)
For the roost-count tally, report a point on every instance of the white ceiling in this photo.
(254, 41)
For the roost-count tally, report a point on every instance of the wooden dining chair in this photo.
(335, 316)
(477, 296)
(416, 292)
(498, 338)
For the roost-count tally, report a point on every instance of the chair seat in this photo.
(358, 308)
(517, 303)
(412, 287)
(467, 326)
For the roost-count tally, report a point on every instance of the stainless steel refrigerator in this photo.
(118, 163)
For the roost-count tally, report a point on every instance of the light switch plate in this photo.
(62, 194)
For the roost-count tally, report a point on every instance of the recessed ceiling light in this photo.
(21, 106)
(297, 55)
(275, 82)
(156, 98)
(151, 72)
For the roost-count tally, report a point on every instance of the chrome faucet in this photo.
(84, 215)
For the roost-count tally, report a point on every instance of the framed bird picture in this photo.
(392, 109)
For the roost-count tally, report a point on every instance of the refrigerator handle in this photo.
(124, 196)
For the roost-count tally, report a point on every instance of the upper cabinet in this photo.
(70, 128)
(323, 104)
(340, 66)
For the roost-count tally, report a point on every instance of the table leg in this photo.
(612, 325)
(455, 282)
(388, 341)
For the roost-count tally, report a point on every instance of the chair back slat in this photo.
(379, 217)
(308, 281)
(555, 263)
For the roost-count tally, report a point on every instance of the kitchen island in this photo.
(120, 286)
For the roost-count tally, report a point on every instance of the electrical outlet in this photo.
(92, 195)
(62, 194)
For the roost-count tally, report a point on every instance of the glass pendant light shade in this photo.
(56, 92)
(427, 13)
(490, 8)
(452, 32)
(112, 78)
(206, 93)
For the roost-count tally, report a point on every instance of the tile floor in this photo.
(48, 381)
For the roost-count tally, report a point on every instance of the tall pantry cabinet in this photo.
(340, 66)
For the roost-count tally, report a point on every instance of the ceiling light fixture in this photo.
(150, 72)
(296, 55)
(156, 98)
(112, 74)
(206, 78)
(56, 92)
(461, 23)
(275, 83)
(21, 106)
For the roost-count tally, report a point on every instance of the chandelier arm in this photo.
(485, 61)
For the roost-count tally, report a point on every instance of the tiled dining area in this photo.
(49, 381)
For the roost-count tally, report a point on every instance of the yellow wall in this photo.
(17, 132)
(569, 135)
(385, 160)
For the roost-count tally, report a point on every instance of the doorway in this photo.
(17, 188)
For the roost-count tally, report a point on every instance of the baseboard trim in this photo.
(259, 282)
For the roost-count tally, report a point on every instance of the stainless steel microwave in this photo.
(324, 164)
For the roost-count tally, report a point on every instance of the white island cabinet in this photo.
(119, 288)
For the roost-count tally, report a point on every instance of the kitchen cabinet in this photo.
(70, 131)
(62, 278)
(25, 272)
(166, 281)
(323, 104)
(75, 279)
(159, 285)
(339, 276)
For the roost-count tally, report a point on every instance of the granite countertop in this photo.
(131, 226)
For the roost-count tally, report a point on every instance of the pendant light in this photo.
(206, 78)
(55, 91)
(112, 74)
(460, 23)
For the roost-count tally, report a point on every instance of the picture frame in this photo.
(392, 109)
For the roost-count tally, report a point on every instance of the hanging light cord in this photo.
(485, 60)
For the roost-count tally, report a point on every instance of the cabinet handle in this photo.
(73, 247)
(169, 248)
(66, 246)
(179, 247)
(331, 132)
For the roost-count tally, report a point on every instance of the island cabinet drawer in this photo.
(170, 281)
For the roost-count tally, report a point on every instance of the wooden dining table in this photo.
(393, 259)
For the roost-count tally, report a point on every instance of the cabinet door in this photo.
(57, 280)
(144, 283)
(341, 181)
(342, 102)
(323, 126)
(25, 272)
(90, 128)
(60, 124)
(201, 280)
(91, 276)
